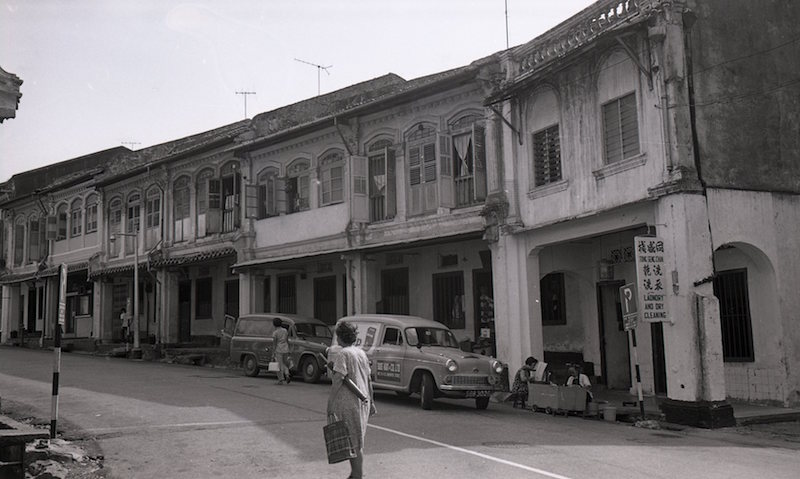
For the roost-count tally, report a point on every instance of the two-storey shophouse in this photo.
(606, 139)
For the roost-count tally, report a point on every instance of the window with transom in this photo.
(421, 157)
(134, 214)
(468, 161)
(62, 214)
(19, 242)
(91, 213)
(76, 217)
(180, 209)
(331, 169)
(205, 183)
(268, 192)
(616, 88)
(382, 182)
(297, 186)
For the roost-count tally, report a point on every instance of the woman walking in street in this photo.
(352, 403)
(280, 343)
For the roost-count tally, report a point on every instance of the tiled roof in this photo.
(161, 262)
(47, 272)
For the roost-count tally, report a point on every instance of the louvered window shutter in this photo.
(431, 193)
(629, 125)
(479, 165)
(281, 183)
(446, 186)
(391, 184)
(251, 201)
(359, 195)
(214, 213)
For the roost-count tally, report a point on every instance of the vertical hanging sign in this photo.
(62, 313)
(651, 278)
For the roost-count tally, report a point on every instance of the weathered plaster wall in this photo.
(747, 97)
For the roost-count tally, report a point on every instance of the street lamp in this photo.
(136, 352)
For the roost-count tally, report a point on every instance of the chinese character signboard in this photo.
(62, 295)
(651, 278)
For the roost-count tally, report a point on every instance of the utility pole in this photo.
(319, 68)
(244, 94)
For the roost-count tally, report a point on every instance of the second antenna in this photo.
(319, 69)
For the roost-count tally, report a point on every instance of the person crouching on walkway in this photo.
(519, 390)
(352, 403)
(280, 343)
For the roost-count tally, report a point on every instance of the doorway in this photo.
(232, 298)
(185, 311)
(614, 352)
(325, 299)
(659, 361)
(394, 291)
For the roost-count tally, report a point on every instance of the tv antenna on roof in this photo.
(244, 94)
(319, 68)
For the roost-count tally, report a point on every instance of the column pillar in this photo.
(247, 286)
(693, 337)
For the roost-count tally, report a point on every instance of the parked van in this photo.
(250, 343)
(412, 355)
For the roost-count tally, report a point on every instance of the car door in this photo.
(226, 333)
(388, 359)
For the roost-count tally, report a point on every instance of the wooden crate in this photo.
(571, 399)
(543, 396)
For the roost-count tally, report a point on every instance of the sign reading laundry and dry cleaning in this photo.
(651, 278)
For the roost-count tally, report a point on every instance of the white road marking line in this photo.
(168, 426)
(474, 453)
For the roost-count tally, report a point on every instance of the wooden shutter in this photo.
(359, 195)
(52, 227)
(479, 160)
(391, 184)
(214, 200)
(43, 246)
(280, 184)
(630, 126)
(446, 187)
(252, 204)
(415, 180)
(430, 194)
(62, 225)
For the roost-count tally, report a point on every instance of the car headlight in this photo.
(497, 367)
(451, 366)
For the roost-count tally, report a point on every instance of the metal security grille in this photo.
(287, 294)
(448, 299)
(730, 287)
(464, 380)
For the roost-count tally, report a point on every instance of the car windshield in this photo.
(431, 337)
(313, 330)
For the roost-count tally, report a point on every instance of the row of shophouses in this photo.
(524, 176)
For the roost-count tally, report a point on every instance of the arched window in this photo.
(268, 192)
(180, 205)
(61, 219)
(468, 161)
(19, 241)
(422, 166)
(543, 118)
(382, 182)
(616, 88)
(114, 226)
(205, 179)
(76, 217)
(34, 239)
(297, 185)
(134, 214)
(91, 213)
(331, 168)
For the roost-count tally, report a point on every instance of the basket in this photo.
(337, 441)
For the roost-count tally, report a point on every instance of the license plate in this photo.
(478, 394)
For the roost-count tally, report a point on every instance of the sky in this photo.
(103, 73)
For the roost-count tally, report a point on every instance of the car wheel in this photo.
(482, 402)
(250, 365)
(426, 391)
(311, 370)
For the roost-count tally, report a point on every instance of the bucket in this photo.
(610, 413)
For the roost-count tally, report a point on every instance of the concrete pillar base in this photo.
(706, 414)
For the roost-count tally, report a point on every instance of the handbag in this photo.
(337, 441)
(273, 367)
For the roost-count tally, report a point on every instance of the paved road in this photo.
(160, 420)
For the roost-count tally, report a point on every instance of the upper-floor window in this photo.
(19, 242)
(76, 217)
(61, 221)
(114, 226)
(231, 185)
(297, 186)
(546, 156)
(153, 208)
(621, 128)
(180, 204)
(34, 239)
(267, 193)
(91, 213)
(331, 168)
(204, 179)
(382, 182)
(421, 157)
(469, 160)
(134, 219)
(617, 84)
(543, 118)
